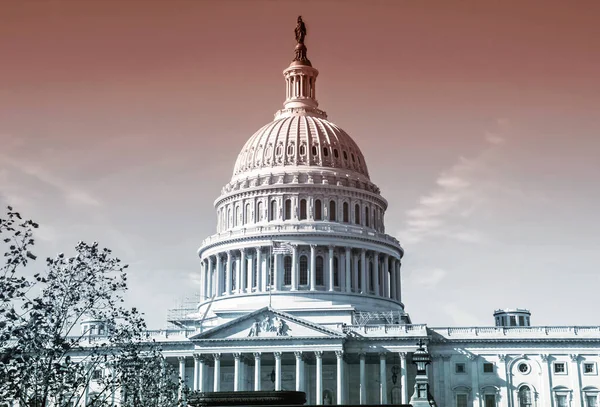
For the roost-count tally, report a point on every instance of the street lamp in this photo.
(273, 376)
(421, 358)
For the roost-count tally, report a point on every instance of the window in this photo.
(521, 320)
(290, 149)
(303, 209)
(279, 150)
(523, 368)
(318, 210)
(353, 159)
(302, 149)
(357, 214)
(288, 209)
(367, 217)
(97, 374)
(371, 276)
(591, 400)
(460, 368)
(513, 320)
(489, 400)
(273, 214)
(589, 368)
(488, 368)
(525, 396)
(248, 214)
(345, 212)
(303, 270)
(336, 274)
(332, 210)
(319, 278)
(335, 153)
(360, 274)
(287, 270)
(461, 400)
(345, 155)
(561, 400)
(314, 150)
(560, 368)
(259, 209)
(325, 152)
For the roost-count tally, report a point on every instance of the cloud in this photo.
(458, 194)
(429, 279)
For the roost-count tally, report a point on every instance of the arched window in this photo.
(335, 153)
(367, 217)
(314, 150)
(325, 152)
(525, 397)
(345, 155)
(233, 274)
(357, 214)
(290, 149)
(273, 214)
(288, 209)
(332, 210)
(259, 209)
(303, 270)
(229, 218)
(302, 149)
(303, 209)
(248, 214)
(279, 150)
(345, 214)
(336, 272)
(318, 210)
(319, 275)
(287, 270)
(237, 216)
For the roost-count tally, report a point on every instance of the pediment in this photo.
(267, 323)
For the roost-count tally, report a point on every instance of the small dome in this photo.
(300, 140)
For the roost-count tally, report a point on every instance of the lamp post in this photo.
(421, 396)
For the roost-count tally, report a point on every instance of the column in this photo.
(299, 371)
(376, 273)
(382, 378)
(363, 271)
(403, 378)
(294, 269)
(259, 269)
(239, 277)
(331, 279)
(276, 262)
(210, 278)
(355, 272)
(474, 379)
(319, 374)
(502, 375)
(202, 279)
(546, 380)
(277, 370)
(219, 274)
(398, 282)
(576, 380)
(257, 376)
(339, 355)
(242, 373)
(236, 371)
(348, 270)
(243, 271)
(196, 372)
(342, 271)
(393, 285)
(363, 379)
(217, 380)
(181, 376)
(251, 269)
(386, 276)
(313, 267)
(228, 274)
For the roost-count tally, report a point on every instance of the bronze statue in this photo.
(300, 31)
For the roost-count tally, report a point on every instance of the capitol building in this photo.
(301, 289)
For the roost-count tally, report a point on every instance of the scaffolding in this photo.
(185, 311)
(379, 317)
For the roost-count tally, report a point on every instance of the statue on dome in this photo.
(300, 31)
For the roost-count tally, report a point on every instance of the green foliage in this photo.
(45, 359)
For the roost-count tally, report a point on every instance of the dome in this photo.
(300, 140)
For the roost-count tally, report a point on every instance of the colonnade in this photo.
(243, 381)
(302, 267)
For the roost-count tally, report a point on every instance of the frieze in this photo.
(268, 326)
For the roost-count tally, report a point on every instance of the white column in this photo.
(203, 279)
(219, 274)
(181, 375)
(211, 288)
(398, 282)
(276, 263)
(313, 267)
(252, 260)
(576, 380)
(259, 269)
(501, 372)
(348, 270)
(474, 379)
(239, 280)
(299, 371)
(217, 379)
(403, 378)
(228, 274)
(236, 371)
(340, 376)
(363, 379)
(386, 276)
(355, 272)
(376, 273)
(294, 269)
(447, 388)
(242, 373)
(243, 271)
(382, 378)
(319, 376)
(257, 376)
(277, 370)
(331, 287)
(393, 285)
(196, 372)
(363, 271)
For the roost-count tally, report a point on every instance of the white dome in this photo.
(300, 140)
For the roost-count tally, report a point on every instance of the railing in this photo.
(520, 331)
(297, 228)
(387, 329)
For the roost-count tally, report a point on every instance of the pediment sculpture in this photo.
(268, 326)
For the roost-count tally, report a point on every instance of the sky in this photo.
(120, 121)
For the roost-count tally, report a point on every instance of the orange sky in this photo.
(121, 120)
